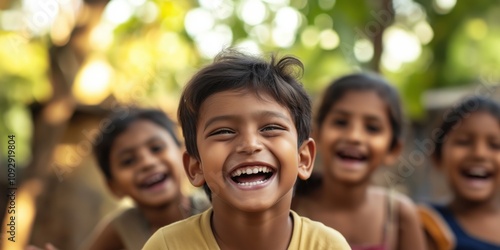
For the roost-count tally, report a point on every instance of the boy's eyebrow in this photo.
(126, 150)
(340, 111)
(344, 112)
(219, 118)
(236, 117)
(274, 114)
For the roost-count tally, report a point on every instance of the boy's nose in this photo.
(480, 150)
(249, 144)
(147, 159)
(354, 133)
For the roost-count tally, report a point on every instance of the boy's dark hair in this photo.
(454, 116)
(119, 123)
(232, 70)
(364, 82)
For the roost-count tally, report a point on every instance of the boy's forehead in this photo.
(233, 98)
(138, 133)
(237, 101)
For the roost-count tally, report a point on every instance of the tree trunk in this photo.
(49, 121)
(385, 17)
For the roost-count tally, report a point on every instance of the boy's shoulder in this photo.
(309, 234)
(195, 233)
(192, 232)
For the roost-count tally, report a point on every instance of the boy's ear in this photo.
(393, 154)
(307, 154)
(193, 169)
(115, 189)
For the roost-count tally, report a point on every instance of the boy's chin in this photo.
(254, 207)
(478, 197)
(155, 204)
(352, 178)
(259, 204)
(157, 201)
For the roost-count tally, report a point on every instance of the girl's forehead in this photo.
(366, 101)
(363, 93)
(478, 121)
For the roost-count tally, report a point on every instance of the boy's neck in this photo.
(235, 229)
(337, 195)
(176, 210)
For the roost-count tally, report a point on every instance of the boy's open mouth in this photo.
(351, 155)
(251, 176)
(477, 173)
(153, 180)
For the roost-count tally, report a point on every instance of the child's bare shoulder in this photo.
(402, 204)
(405, 205)
(405, 208)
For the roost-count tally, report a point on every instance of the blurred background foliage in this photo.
(143, 51)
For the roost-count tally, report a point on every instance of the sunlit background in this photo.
(64, 64)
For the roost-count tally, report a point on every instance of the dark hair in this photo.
(232, 70)
(364, 82)
(119, 123)
(454, 116)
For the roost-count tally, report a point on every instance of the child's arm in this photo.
(104, 237)
(410, 234)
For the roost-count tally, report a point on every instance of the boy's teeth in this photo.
(154, 179)
(251, 170)
(477, 172)
(250, 183)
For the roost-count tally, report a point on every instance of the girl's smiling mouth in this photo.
(351, 159)
(477, 176)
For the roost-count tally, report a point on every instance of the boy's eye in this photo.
(462, 142)
(271, 128)
(495, 145)
(339, 122)
(156, 148)
(373, 128)
(127, 161)
(223, 131)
